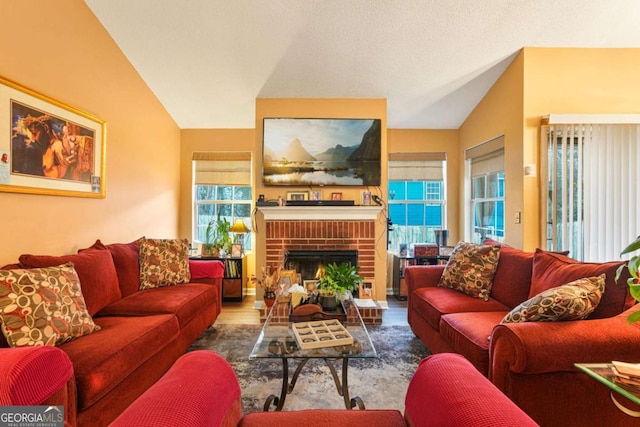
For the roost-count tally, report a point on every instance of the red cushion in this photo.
(324, 418)
(96, 271)
(468, 333)
(552, 269)
(105, 358)
(432, 303)
(126, 258)
(31, 375)
(512, 279)
(198, 390)
(185, 301)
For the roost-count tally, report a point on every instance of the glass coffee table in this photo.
(603, 373)
(277, 341)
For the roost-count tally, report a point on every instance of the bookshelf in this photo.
(234, 280)
(399, 265)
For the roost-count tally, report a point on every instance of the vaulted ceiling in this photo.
(433, 60)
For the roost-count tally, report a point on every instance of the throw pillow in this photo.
(163, 262)
(573, 301)
(126, 258)
(43, 306)
(552, 269)
(95, 269)
(471, 268)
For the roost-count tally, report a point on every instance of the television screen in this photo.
(316, 152)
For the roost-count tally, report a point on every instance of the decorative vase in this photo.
(269, 298)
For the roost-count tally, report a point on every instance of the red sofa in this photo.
(531, 362)
(445, 391)
(143, 332)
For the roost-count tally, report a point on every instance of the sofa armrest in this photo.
(545, 347)
(447, 389)
(32, 375)
(420, 276)
(205, 269)
(200, 389)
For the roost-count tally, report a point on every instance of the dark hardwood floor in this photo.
(245, 313)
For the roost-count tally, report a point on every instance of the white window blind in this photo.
(416, 166)
(222, 168)
(486, 158)
(593, 190)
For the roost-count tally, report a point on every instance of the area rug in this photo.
(381, 383)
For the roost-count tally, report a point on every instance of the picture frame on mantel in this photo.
(49, 147)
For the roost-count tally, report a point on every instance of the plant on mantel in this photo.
(634, 281)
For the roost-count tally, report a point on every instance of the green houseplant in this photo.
(335, 280)
(217, 237)
(634, 281)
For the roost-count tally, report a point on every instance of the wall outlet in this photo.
(518, 218)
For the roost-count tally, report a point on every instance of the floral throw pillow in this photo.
(163, 262)
(573, 301)
(43, 306)
(471, 268)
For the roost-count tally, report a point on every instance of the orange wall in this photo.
(500, 113)
(61, 50)
(539, 82)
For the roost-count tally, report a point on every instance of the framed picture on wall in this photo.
(316, 195)
(336, 196)
(49, 147)
(297, 195)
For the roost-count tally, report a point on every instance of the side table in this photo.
(603, 373)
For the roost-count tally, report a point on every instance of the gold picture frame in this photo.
(48, 147)
(288, 278)
(297, 195)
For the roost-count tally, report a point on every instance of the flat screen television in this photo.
(317, 152)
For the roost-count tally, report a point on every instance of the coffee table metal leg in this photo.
(349, 403)
(295, 375)
(278, 402)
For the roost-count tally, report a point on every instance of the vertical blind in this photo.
(593, 189)
(416, 166)
(222, 168)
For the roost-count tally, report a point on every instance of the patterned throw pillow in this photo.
(471, 268)
(163, 262)
(43, 306)
(574, 301)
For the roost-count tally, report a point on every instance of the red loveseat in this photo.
(143, 332)
(445, 391)
(531, 362)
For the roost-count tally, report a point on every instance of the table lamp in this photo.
(239, 228)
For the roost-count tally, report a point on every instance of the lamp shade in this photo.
(239, 227)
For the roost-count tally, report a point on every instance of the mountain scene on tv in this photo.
(318, 152)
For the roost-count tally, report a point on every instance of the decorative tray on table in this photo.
(323, 333)
(340, 313)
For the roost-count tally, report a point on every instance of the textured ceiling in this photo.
(433, 60)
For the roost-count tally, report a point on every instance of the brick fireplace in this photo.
(324, 228)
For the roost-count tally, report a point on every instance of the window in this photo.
(222, 186)
(593, 185)
(487, 205)
(416, 197)
(485, 163)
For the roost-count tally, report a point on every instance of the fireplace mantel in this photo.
(321, 213)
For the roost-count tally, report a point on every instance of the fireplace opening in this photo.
(307, 262)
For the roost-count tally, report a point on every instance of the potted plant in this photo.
(217, 237)
(634, 281)
(334, 280)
